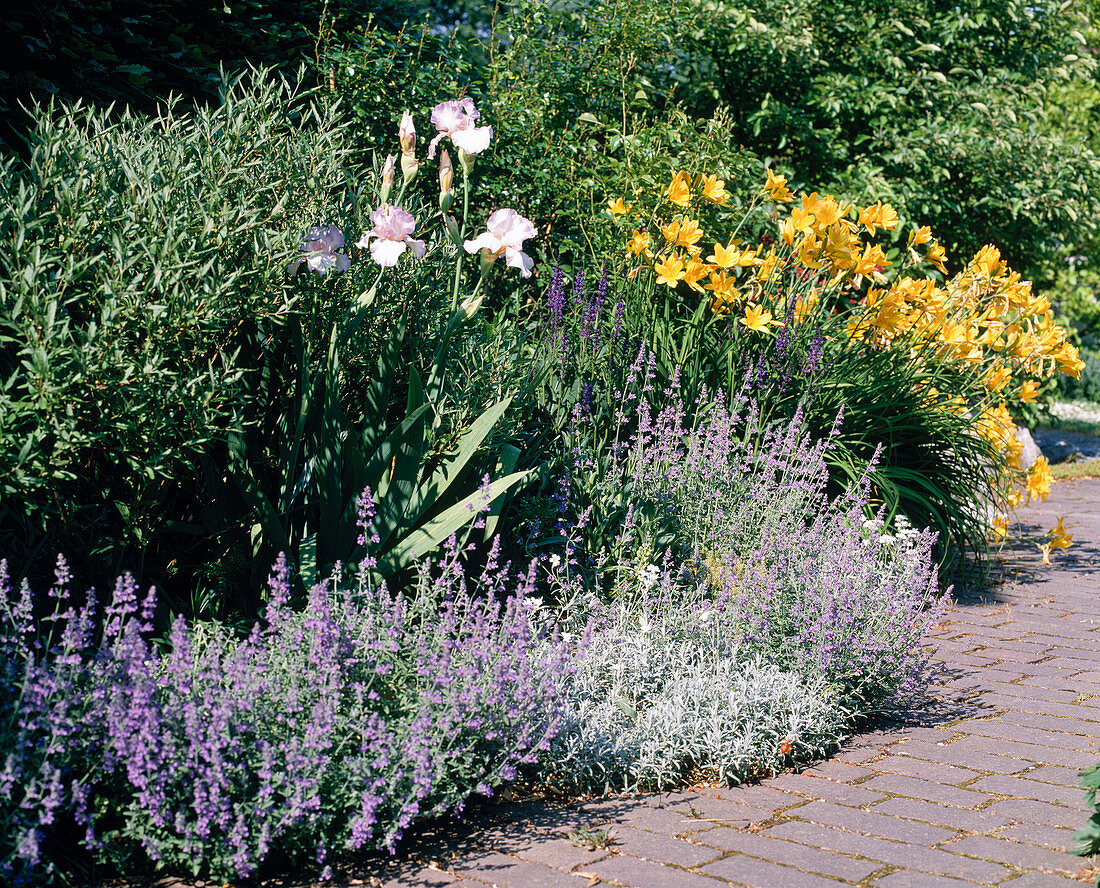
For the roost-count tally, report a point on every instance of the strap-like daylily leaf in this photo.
(270, 520)
(506, 464)
(329, 462)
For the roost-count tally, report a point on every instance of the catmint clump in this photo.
(789, 563)
(49, 725)
(325, 730)
(749, 615)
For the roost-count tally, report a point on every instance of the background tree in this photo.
(943, 109)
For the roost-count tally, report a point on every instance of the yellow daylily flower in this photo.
(679, 189)
(808, 252)
(1029, 391)
(997, 378)
(878, 215)
(724, 257)
(721, 304)
(720, 283)
(1060, 538)
(671, 271)
(777, 189)
(987, 261)
(920, 236)
(748, 258)
(787, 231)
(828, 212)
(804, 306)
(695, 272)
(872, 260)
(690, 233)
(758, 319)
(638, 243)
(714, 189)
(617, 208)
(937, 256)
(802, 218)
(1039, 479)
(1069, 361)
(841, 246)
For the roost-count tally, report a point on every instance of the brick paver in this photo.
(978, 787)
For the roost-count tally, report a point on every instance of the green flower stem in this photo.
(461, 232)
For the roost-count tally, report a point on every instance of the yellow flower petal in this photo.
(671, 271)
(617, 208)
(679, 189)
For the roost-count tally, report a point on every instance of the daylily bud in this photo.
(446, 181)
(451, 224)
(406, 134)
(387, 179)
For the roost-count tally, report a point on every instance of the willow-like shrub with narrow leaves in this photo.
(143, 273)
(321, 731)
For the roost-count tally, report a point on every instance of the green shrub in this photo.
(145, 265)
(941, 110)
(572, 94)
(953, 115)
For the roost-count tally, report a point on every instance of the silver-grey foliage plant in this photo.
(660, 700)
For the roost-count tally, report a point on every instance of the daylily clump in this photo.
(823, 264)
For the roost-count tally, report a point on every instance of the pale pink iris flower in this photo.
(456, 119)
(507, 230)
(319, 251)
(391, 236)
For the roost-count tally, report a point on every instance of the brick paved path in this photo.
(979, 787)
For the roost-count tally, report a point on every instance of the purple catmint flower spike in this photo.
(555, 299)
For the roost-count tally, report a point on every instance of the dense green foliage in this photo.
(147, 261)
(973, 120)
(941, 110)
(937, 108)
(574, 96)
